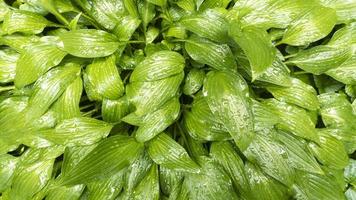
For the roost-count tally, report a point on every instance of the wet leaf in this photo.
(8, 59)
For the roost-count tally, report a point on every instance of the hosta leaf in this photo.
(350, 194)
(345, 73)
(293, 119)
(102, 78)
(209, 24)
(146, 11)
(350, 172)
(311, 25)
(227, 97)
(24, 22)
(158, 121)
(257, 46)
(107, 12)
(344, 36)
(166, 152)
(126, 28)
(77, 131)
(107, 188)
(299, 93)
(320, 59)
(114, 110)
(68, 193)
(345, 9)
(160, 65)
(4, 8)
(67, 106)
(158, 2)
(346, 135)
(298, 153)
(7, 167)
(111, 155)
(169, 180)
(331, 152)
(217, 56)
(137, 171)
(149, 96)
(193, 81)
(148, 188)
(315, 186)
(36, 59)
(277, 73)
(18, 42)
(336, 110)
(262, 186)
(212, 183)
(269, 155)
(8, 59)
(49, 87)
(89, 43)
(33, 172)
(225, 154)
(214, 4)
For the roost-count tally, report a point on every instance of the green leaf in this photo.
(262, 186)
(292, 119)
(345, 10)
(217, 56)
(193, 81)
(345, 73)
(169, 180)
(336, 110)
(33, 172)
(126, 28)
(298, 153)
(268, 154)
(299, 93)
(107, 12)
(8, 59)
(107, 188)
(331, 152)
(67, 105)
(111, 155)
(89, 43)
(227, 97)
(214, 4)
(154, 123)
(320, 59)
(225, 154)
(257, 46)
(18, 42)
(36, 59)
(209, 24)
(4, 9)
(148, 188)
(211, 183)
(114, 110)
(315, 186)
(7, 167)
(310, 26)
(68, 193)
(350, 172)
(24, 22)
(344, 134)
(158, 2)
(160, 65)
(49, 87)
(137, 171)
(350, 193)
(201, 124)
(102, 79)
(77, 131)
(277, 73)
(146, 11)
(166, 152)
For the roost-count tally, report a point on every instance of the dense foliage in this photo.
(177, 99)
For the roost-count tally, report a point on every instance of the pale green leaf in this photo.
(166, 152)
(110, 156)
(7, 167)
(148, 188)
(193, 81)
(217, 56)
(102, 79)
(257, 46)
(209, 24)
(346, 72)
(350, 172)
(169, 180)
(107, 188)
(114, 110)
(299, 93)
(89, 43)
(227, 97)
(311, 25)
(8, 59)
(24, 22)
(36, 59)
